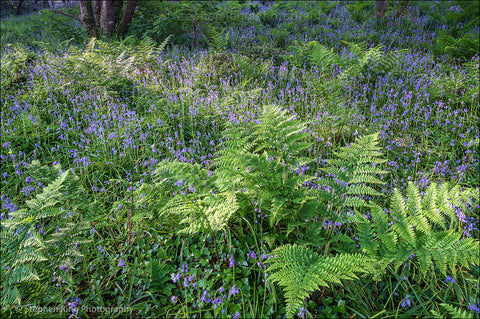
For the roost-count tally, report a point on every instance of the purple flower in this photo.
(474, 307)
(406, 302)
(252, 255)
(174, 299)
(203, 298)
(234, 290)
(175, 278)
(232, 262)
(236, 316)
(449, 279)
(301, 314)
(121, 263)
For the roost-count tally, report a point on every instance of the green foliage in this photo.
(57, 26)
(360, 10)
(261, 52)
(269, 17)
(114, 60)
(459, 49)
(452, 312)
(462, 87)
(186, 21)
(179, 104)
(257, 164)
(218, 40)
(351, 172)
(301, 271)
(370, 62)
(427, 228)
(40, 242)
(14, 66)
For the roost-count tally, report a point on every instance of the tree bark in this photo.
(107, 18)
(104, 15)
(381, 6)
(87, 18)
(127, 17)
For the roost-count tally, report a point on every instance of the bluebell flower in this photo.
(234, 290)
(449, 279)
(406, 302)
(175, 278)
(301, 314)
(474, 307)
(203, 298)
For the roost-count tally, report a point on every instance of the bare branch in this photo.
(65, 14)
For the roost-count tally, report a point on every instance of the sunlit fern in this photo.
(301, 271)
(424, 229)
(29, 258)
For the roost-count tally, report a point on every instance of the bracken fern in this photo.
(32, 256)
(301, 271)
(425, 228)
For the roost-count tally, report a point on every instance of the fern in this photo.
(301, 271)
(38, 239)
(350, 174)
(371, 61)
(257, 164)
(323, 57)
(417, 227)
(217, 39)
(452, 312)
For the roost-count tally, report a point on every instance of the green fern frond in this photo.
(452, 312)
(371, 60)
(353, 173)
(324, 57)
(29, 254)
(301, 271)
(217, 39)
(411, 230)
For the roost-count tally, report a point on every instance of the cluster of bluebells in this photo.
(406, 303)
(205, 298)
(474, 307)
(73, 304)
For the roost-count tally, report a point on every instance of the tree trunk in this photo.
(106, 15)
(18, 9)
(127, 17)
(87, 18)
(381, 6)
(107, 18)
